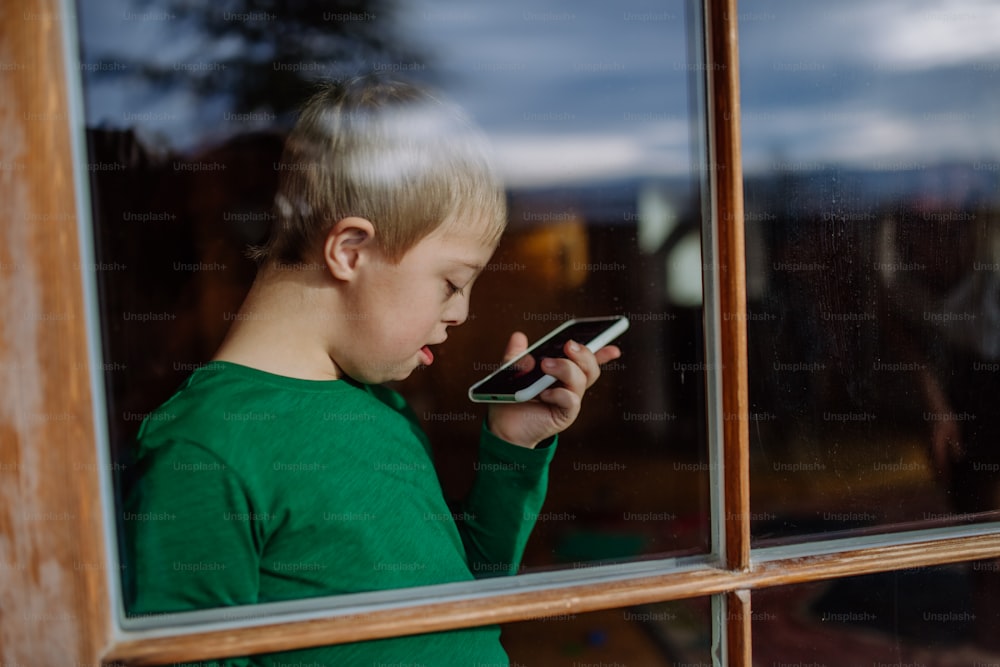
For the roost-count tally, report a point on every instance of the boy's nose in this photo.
(457, 313)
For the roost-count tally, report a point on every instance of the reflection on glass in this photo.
(591, 111)
(873, 242)
(655, 635)
(932, 616)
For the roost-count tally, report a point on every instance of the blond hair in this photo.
(388, 152)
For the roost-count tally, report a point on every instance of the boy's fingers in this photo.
(608, 353)
(569, 372)
(586, 360)
(517, 344)
(563, 398)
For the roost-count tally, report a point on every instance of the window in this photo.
(871, 198)
(599, 143)
(917, 615)
(835, 573)
(663, 633)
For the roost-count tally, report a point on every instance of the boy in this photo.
(283, 469)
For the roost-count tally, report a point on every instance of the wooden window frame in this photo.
(59, 569)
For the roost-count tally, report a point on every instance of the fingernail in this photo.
(573, 347)
(549, 363)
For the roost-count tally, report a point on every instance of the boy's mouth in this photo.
(426, 356)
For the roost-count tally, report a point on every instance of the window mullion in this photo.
(722, 67)
(726, 339)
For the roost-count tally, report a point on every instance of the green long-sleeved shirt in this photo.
(254, 487)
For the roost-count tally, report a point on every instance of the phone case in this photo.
(616, 326)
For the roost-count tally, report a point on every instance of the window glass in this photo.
(667, 634)
(872, 164)
(928, 616)
(593, 112)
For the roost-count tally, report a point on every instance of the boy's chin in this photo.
(380, 376)
(399, 376)
(408, 372)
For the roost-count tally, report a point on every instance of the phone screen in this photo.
(526, 370)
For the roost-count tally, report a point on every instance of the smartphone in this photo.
(521, 379)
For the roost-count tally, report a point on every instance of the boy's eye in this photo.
(453, 288)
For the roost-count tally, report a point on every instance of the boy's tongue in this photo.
(428, 355)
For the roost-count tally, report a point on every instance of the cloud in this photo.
(940, 34)
(658, 149)
(861, 83)
(593, 89)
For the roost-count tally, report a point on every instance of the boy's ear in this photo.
(345, 245)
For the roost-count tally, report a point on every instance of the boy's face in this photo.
(398, 310)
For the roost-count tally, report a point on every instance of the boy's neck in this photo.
(277, 329)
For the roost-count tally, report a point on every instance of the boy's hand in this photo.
(527, 424)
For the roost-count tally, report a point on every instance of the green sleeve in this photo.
(496, 519)
(190, 543)
(500, 511)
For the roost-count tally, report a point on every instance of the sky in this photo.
(865, 83)
(584, 91)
